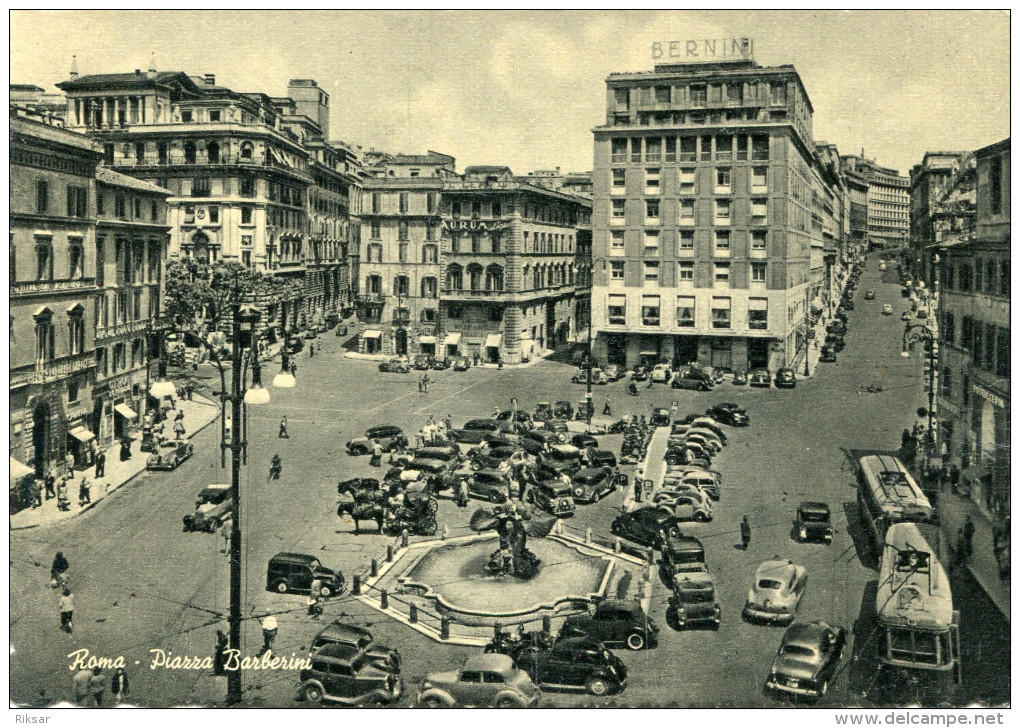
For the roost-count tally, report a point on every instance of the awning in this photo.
(19, 470)
(494, 340)
(452, 339)
(83, 434)
(649, 352)
(124, 411)
(426, 339)
(371, 334)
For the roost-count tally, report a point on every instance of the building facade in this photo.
(707, 239)
(974, 344)
(52, 290)
(888, 202)
(927, 180)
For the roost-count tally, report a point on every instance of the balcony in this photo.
(466, 294)
(128, 327)
(22, 288)
(365, 297)
(49, 371)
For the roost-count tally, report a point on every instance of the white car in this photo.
(661, 373)
(776, 592)
(689, 504)
(887, 309)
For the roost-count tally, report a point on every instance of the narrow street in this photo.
(141, 583)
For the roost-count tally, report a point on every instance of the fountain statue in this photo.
(511, 521)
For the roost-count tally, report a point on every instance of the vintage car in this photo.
(213, 507)
(659, 418)
(169, 454)
(647, 526)
(583, 440)
(729, 414)
(814, 522)
(836, 327)
(597, 376)
(706, 422)
(338, 633)
(543, 412)
(786, 378)
(522, 418)
(707, 433)
(592, 484)
(905, 316)
(342, 330)
(343, 674)
(422, 362)
(614, 622)
(683, 555)
(807, 659)
(614, 372)
(537, 441)
(603, 459)
(740, 377)
(390, 437)
(490, 457)
(461, 364)
(688, 504)
(693, 602)
(707, 440)
(776, 592)
(577, 662)
(835, 341)
(486, 680)
(398, 364)
(760, 378)
(475, 431)
(561, 459)
(562, 410)
(661, 373)
(439, 363)
(707, 481)
(828, 353)
(640, 374)
(887, 309)
(294, 344)
(552, 496)
(294, 572)
(490, 485)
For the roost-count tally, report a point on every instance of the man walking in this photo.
(269, 628)
(745, 533)
(69, 461)
(311, 350)
(51, 483)
(283, 427)
(425, 381)
(36, 492)
(97, 686)
(293, 369)
(607, 410)
(968, 536)
(421, 382)
(84, 493)
(81, 686)
(66, 606)
(101, 463)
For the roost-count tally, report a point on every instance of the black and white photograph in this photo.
(510, 359)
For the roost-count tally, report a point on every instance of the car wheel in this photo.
(636, 641)
(475, 465)
(615, 529)
(507, 703)
(281, 586)
(597, 686)
(313, 694)
(496, 497)
(432, 703)
(325, 592)
(578, 492)
(674, 532)
(701, 517)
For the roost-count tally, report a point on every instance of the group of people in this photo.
(434, 431)
(90, 686)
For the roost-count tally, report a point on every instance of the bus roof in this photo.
(912, 586)
(893, 488)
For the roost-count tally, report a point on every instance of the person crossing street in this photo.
(745, 533)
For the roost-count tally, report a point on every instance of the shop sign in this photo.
(990, 396)
(480, 226)
(699, 51)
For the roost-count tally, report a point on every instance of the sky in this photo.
(525, 88)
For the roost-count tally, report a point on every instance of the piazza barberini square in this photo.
(305, 414)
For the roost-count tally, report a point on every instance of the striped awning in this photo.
(371, 334)
(494, 340)
(124, 411)
(82, 434)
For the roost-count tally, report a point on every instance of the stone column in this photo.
(115, 119)
(512, 286)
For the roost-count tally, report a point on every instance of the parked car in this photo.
(807, 659)
(543, 412)
(213, 507)
(522, 418)
(729, 414)
(905, 316)
(707, 422)
(837, 342)
(561, 459)
(583, 440)
(294, 344)
(475, 431)
(814, 522)
(603, 459)
(922, 313)
(536, 442)
(836, 327)
(489, 680)
(659, 418)
(585, 410)
(683, 555)
(592, 484)
(553, 496)
(785, 378)
(293, 572)
(688, 506)
(828, 353)
(887, 309)
(614, 622)
(597, 376)
(661, 373)
(776, 592)
(684, 380)
(647, 526)
(614, 372)
(338, 633)
(640, 374)
(740, 377)
(390, 437)
(709, 481)
(398, 365)
(169, 454)
(440, 363)
(340, 673)
(558, 426)
(577, 662)
(342, 330)
(461, 364)
(490, 485)
(422, 361)
(693, 602)
(760, 378)
(487, 457)
(563, 410)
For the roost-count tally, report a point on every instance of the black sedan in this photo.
(760, 378)
(647, 526)
(729, 415)
(584, 440)
(786, 378)
(806, 660)
(576, 662)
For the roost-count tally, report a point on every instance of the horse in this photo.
(362, 512)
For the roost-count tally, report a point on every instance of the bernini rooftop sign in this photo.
(700, 51)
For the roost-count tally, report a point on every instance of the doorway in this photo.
(757, 353)
(41, 438)
(400, 342)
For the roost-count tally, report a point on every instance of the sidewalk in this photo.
(198, 415)
(952, 510)
(653, 468)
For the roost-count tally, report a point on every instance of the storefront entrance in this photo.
(686, 349)
(400, 342)
(722, 353)
(616, 349)
(757, 353)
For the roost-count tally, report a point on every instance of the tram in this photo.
(887, 494)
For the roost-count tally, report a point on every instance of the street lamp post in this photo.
(912, 334)
(587, 384)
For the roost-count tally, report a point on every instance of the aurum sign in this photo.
(692, 51)
(480, 226)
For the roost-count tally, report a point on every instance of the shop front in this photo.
(371, 341)
(493, 342)
(125, 420)
(79, 444)
(427, 345)
(452, 343)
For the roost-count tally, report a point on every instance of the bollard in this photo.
(546, 623)
(413, 616)
(651, 556)
(587, 536)
(356, 586)
(405, 539)
(617, 546)
(444, 628)
(384, 599)
(375, 568)
(389, 554)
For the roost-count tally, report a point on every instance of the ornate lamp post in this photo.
(912, 334)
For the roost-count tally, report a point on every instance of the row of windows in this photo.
(77, 199)
(987, 344)
(402, 286)
(691, 148)
(686, 312)
(987, 276)
(722, 240)
(722, 211)
(685, 271)
(121, 307)
(701, 94)
(45, 334)
(403, 202)
(403, 230)
(125, 208)
(374, 253)
(115, 359)
(685, 181)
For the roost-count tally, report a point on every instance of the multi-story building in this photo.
(888, 202)
(573, 183)
(52, 291)
(830, 203)
(509, 285)
(398, 294)
(857, 210)
(974, 345)
(927, 180)
(132, 236)
(704, 216)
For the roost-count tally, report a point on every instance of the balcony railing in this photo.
(68, 284)
(128, 327)
(48, 371)
(366, 297)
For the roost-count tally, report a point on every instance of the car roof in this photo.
(383, 428)
(589, 473)
(492, 661)
(292, 556)
(565, 449)
(777, 568)
(683, 543)
(625, 605)
(488, 472)
(579, 643)
(805, 633)
(814, 506)
(216, 487)
(338, 630)
(338, 651)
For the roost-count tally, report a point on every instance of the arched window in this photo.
(213, 151)
(189, 152)
(455, 278)
(494, 278)
(474, 277)
(536, 278)
(247, 150)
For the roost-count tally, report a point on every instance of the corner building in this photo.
(702, 220)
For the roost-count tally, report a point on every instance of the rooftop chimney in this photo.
(138, 72)
(152, 66)
(74, 66)
(210, 79)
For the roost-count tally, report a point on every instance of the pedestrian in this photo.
(179, 417)
(650, 381)
(37, 485)
(51, 483)
(314, 594)
(961, 547)
(69, 462)
(311, 350)
(179, 430)
(419, 439)
(448, 422)
(377, 450)
(425, 381)
(293, 369)
(476, 357)
(97, 686)
(954, 477)
(63, 500)
(189, 390)
(220, 655)
(84, 493)
(269, 628)
(905, 438)
(462, 493)
(81, 686)
(607, 410)
(58, 569)
(283, 427)
(119, 687)
(66, 606)
(125, 449)
(745, 533)
(968, 535)
(421, 382)
(638, 487)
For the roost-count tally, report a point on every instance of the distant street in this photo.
(141, 583)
